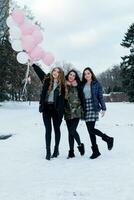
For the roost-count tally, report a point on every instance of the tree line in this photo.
(120, 78)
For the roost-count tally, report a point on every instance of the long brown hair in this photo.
(91, 71)
(61, 80)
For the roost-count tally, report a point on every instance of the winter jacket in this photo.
(96, 95)
(73, 107)
(58, 99)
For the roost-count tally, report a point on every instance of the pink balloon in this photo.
(18, 16)
(28, 43)
(37, 35)
(27, 28)
(37, 53)
(48, 59)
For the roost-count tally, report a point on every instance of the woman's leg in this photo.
(70, 137)
(91, 130)
(56, 123)
(71, 146)
(48, 127)
(72, 126)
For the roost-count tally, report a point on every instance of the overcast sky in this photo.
(84, 32)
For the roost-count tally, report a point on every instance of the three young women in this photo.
(70, 97)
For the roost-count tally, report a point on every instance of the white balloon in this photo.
(16, 45)
(10, 39)
(15, 32)
(10, 22)
(22, 57)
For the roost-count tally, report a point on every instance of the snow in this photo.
(25, 174)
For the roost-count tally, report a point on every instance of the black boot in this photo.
(109, 140)
(81, 149)
(71, 154)
(55, 153)
(48, 154)
(95, 153)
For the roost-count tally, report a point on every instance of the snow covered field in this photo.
(25, 174)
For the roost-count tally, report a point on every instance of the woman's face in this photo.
(55, 73)
(87, 75)
(71, 76)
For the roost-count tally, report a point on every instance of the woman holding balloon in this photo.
(51, 105)
(25, 39)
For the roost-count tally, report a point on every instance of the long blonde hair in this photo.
(61, 80)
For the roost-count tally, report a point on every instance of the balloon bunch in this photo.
(25, 38)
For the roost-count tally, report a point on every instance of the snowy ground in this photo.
(26, 175)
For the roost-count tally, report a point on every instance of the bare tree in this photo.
(111, 79)
(4, 12)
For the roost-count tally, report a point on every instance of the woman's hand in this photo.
(102, 113)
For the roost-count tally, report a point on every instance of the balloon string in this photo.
(26, 78)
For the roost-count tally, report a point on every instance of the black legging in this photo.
(51, 113)
(93, 132)
(72, 133)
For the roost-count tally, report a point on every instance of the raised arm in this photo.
(41, 74)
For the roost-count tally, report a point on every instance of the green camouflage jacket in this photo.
(72, 107)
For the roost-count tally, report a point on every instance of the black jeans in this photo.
(51, 114)
(72, 133)
(93, 132)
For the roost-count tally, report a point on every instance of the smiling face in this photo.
(55, 73)
(71, 76)
(87, 75)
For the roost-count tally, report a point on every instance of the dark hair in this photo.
(83, 75)
(77, 78)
